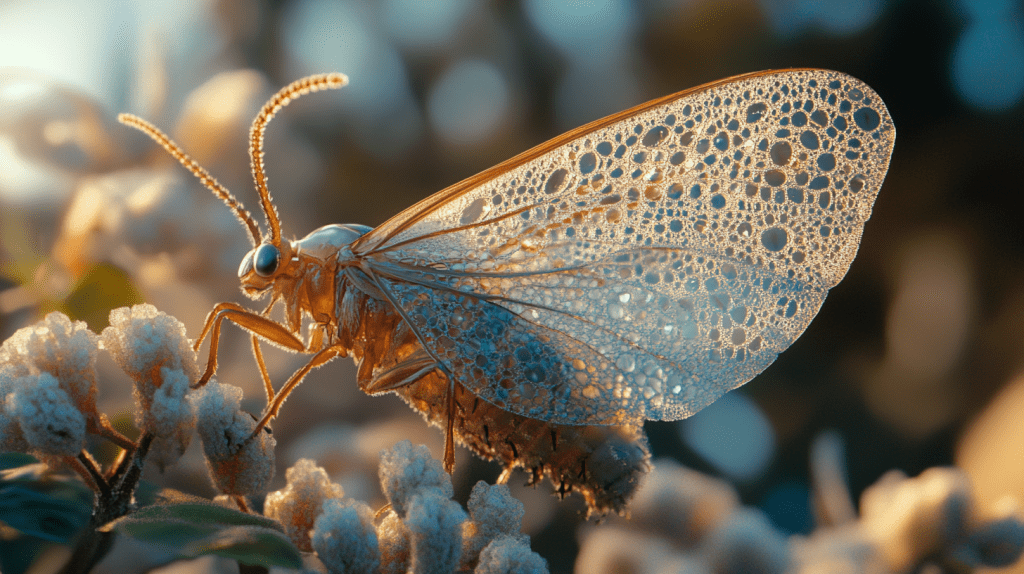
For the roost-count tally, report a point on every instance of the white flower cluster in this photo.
(48, 382)
(240, 464)
(423, 531)
(686, 521)
(151, 347)
(48, 387)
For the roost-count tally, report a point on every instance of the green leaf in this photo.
(37, 503)
(41, 515)
(15, 459)
(196, 529)
(204, 513)
(102, 288)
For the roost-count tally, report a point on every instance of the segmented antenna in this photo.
(190, 164)
(259, 126)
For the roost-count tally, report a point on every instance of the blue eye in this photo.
(265, 260)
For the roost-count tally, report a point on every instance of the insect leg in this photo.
(274, 406)
(449, 433)
(412, 369)
(252, 322)
(256, 352)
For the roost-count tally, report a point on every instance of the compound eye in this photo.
(265, 260)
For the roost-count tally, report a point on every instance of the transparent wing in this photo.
(643, 265)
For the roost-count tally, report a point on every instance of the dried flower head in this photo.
(151, 347)
(493, 513)
(393, 538)
(49, 419)
(237, 465)
(345, 539)
(406, 470)
(434, 522)
(510, 555)
(65, 349)
(299, 503)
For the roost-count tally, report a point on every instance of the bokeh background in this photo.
(914, 361)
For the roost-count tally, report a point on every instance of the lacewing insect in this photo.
(635, 268)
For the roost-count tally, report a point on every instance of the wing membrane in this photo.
(643, 265)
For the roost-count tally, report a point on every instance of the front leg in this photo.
(254, 323)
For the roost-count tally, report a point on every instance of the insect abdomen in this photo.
(606, 464)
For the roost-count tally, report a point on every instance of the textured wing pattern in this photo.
(644, 265)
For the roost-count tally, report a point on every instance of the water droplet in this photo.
(474, 211)
(774, 178)
(615, 311)
(774, 238)
(655, 136)
(867, 119)
(588, 163)
(556, 181)
(744, 229)
(809, 140)
(721, 141)
(626, 363)
(781, 152)
(756, 111)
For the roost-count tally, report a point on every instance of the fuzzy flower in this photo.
(910, 518)
(49, 419)
(406, 470)
(510, 555)
(299, 502)
(746, 541)
(682, 504)
(345, 539)
(435, 523)
(493, 513)
(393, 538)
(151, 347)
(170, 418)
(237, 465)
(66, 350)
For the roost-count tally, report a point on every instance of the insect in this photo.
(635, 268)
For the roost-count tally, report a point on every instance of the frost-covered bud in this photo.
(493, 512)
(237, 465)
(345, 539)
(142, 339)
(747, 542)
(50, 421)
(910, 518)
(406, 470)
(151, 347)
(394, 544)
(682, 504)
(434, 522)
(510, 555)
(298, 504)
(170, 418)
(65, 349)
